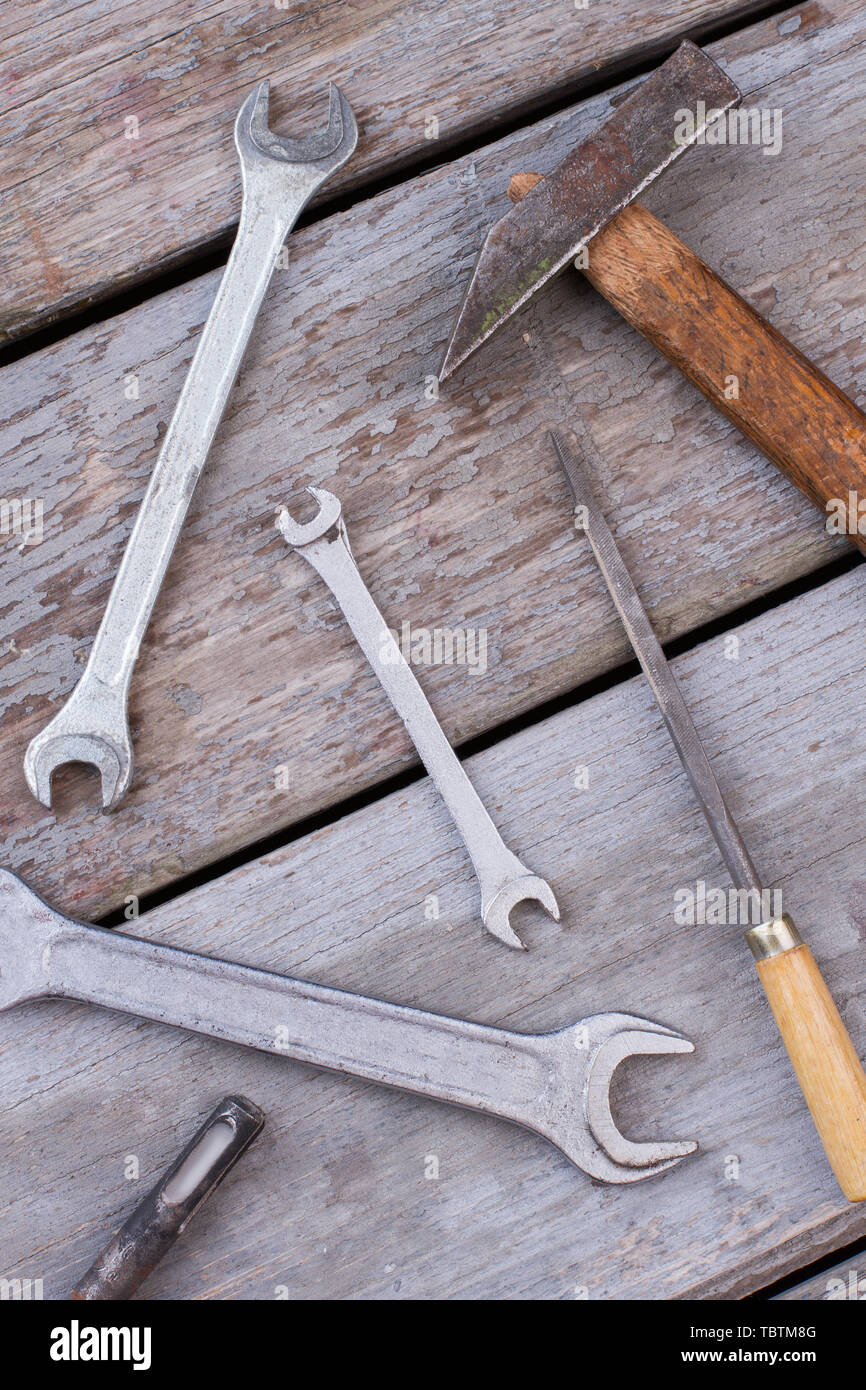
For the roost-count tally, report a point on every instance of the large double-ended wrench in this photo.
(279, 176)
(557, 1084)
(503, 879)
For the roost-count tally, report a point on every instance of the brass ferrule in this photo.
(773, 938)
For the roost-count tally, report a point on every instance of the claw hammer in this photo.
(784, 404)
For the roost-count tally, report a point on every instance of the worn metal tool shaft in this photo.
(669, 697)
(280, 175)
(556, 1084)
(822, 1054)
(503, 879)
(166, 1211)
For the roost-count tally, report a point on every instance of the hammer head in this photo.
(554, 221)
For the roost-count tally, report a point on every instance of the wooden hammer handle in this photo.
(784, 404)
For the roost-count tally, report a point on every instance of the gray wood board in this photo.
(458, 513)
(842, 1283)
(90, 203)
(333, 1200)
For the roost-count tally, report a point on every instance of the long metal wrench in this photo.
(503, 879)
(823, 1057)
(557, 1084)
(279, 176)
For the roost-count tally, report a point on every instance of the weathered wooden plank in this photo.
(456, 508)
(91, 202)
(843, 1282)
(333, 1201)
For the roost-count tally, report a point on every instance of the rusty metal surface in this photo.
(163, 1215)
(539, 237)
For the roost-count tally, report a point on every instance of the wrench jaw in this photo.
(300, 534)
(496, 909)
(308, 161)
(580, 1121)
(70, 738)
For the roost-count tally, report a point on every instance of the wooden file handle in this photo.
(785, 405)
(822, 1054)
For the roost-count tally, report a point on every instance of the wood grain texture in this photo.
(776, 396)
(251, 705)
(85, 209)
(335, 1200)
(785, 405)
(828, 1069)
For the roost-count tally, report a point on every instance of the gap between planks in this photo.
(451, 74)
(381, 791)
(333, 1200)
(457, 510)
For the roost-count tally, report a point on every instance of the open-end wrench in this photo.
(503, 879)
(279, 176)
(557, 1084)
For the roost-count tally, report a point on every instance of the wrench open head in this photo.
(302, 164)
(579, 1119)
(28, 927)
(300, 534)
(92, 727)
(522, 887)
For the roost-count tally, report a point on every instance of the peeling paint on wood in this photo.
(116, 156)
(336, 1200)
(456, 508)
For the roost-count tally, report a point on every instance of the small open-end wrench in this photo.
(557, 1084)
(279, 176)
(503, 879)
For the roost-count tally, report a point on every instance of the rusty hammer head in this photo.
(543, 234)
